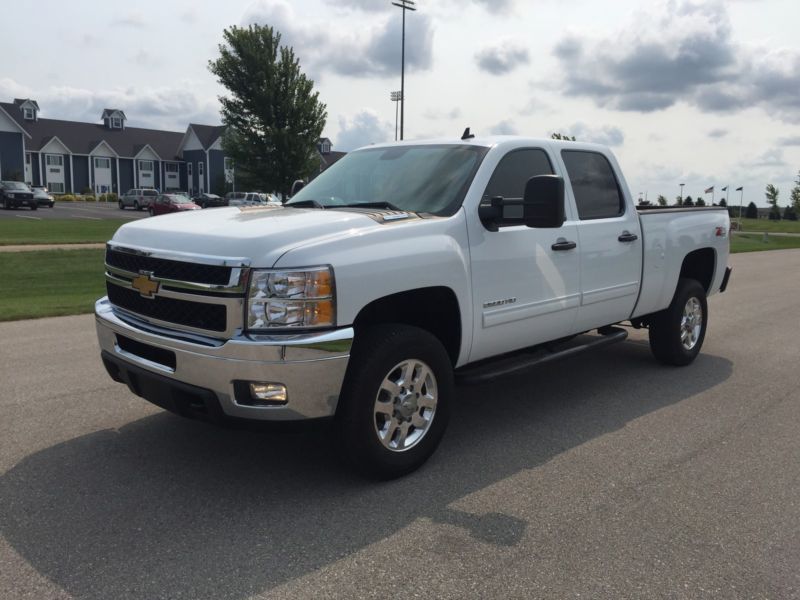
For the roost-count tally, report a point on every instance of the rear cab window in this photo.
(594, 185)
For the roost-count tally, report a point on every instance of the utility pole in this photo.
(395, 97)
(404, 5)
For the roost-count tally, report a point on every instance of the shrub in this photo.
(752, 211)
(112, 197)
(790, 214)
(775, 213)
(67, 198)
(87, 191)
(89, 198)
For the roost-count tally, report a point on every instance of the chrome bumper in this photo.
(311, 366)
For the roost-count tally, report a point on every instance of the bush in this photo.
(89, 198)
(752, 211)
(87, 191)
(790, 214)
(775, 213)
(67, 198)
(112, 197)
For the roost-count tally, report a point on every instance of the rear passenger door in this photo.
(609, 240)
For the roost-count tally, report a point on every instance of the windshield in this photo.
(425, 179)
(149, 193)
(15, 185)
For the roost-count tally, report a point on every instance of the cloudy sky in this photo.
(696, 92)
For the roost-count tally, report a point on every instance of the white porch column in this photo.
(119, 191)
(71, 176)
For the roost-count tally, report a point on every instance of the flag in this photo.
(725, 189)
(739, 189)
(709, 190)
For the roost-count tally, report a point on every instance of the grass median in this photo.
(755, 242)
(57, 231)
(782, 226)
(50, 283)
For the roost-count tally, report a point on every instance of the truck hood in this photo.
(262, 234)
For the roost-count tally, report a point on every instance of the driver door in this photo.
(525, 280)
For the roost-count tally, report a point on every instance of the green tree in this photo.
(775, 213)
(772, 193)
(561, 136)
(662, 200)
(273, 116)
(678, 201)
(688, 201)
(790, 214)
(752, 211)
(723, 203)
(795, 194)
(700, 202)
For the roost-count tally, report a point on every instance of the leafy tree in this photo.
(795, 194)
(561, 136)
(722, 202)
(752, 211)
(662, 200)
(688, 201)
(700, 202)
(273, 116)
(775, 213)
(678, 201)
(772, 194)
(790, 214)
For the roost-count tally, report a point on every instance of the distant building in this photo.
(73, 157)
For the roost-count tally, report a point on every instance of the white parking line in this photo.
(92, 218)
(29, 217)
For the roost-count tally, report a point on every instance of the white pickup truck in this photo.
(399, 271)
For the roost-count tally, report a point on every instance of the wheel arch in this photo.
(434, 309)
(700, 265)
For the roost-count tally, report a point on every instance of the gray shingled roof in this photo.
(82, 138)
(207, 134)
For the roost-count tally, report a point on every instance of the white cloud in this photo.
(502, 57)
(364, 128)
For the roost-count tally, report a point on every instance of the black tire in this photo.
(34, 207)
(204, 205)
(6, 204)
(136, 205)
(151, 211)
(121, 205)
(377, 354)
(668, 326)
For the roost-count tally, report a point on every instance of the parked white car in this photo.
(400, 269)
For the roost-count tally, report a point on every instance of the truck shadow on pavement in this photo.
(166, 507)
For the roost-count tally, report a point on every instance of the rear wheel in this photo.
(136, 205)
(151, 211)
(34, 207)
(121, 205)
(6, 204)
(395, 400)
(677, 332)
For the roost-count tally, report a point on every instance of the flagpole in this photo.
(741, 197)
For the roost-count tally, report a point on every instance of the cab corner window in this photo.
(594, 185)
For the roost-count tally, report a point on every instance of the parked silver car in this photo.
(138, 198)
(42, 196)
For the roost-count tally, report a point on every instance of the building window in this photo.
(170, 167)
(28, 158)
(326, 148)
(145, 165)
(228, 164)
(54, 160)
(102, 163)
(200, 167)
(116, 123)
(29, 114)
(55, 187)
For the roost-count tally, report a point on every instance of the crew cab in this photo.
(14, 194)
(400, 271)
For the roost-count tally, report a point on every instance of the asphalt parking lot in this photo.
(603, 476)
(75, 210)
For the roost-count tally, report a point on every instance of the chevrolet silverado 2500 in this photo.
(398, 271)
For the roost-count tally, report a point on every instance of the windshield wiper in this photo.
(388, 205)
(305, 204)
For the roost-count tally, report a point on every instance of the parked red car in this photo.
(169, 203)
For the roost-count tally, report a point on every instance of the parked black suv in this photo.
(14, 194)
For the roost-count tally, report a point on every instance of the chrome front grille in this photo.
(197, 293)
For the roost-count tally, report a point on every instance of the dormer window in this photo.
(28, 114)
(116, 123)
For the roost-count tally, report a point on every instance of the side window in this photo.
(514, 170)
(594, 185)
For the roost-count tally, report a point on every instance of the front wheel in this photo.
(151, 211)
(136, 205)
(34, 207)
(677, 332)
(121, 205)
(395, 401)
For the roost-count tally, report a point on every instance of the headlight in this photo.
(303, 298)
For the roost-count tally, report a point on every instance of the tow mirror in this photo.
(543, 204)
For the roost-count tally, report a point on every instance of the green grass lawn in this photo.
(50, 283)
(767, 225)
(754, 242)
(57, 231)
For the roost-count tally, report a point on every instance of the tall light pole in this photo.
(404, 5)
(395, 97)
(681, 184)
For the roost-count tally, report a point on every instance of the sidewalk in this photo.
(35, 247)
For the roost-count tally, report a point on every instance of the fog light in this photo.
(269, 394)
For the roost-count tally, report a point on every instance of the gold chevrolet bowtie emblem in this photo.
(145, 285)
